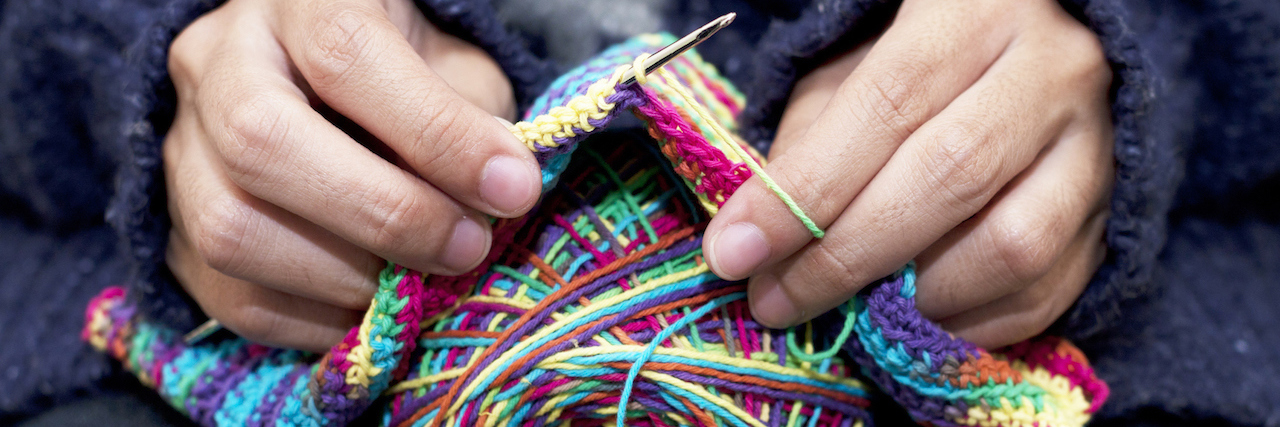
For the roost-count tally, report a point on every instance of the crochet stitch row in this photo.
(582, 101)
(597, 308)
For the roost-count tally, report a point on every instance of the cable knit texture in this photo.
(1188, 286)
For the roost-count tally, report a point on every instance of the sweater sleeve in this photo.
(1149, 162)
(65, 120)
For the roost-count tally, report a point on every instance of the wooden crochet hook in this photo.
(652, 63)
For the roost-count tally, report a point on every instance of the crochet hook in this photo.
(652, 63)
(201, 332)
(666, 54)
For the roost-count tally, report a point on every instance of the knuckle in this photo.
(837, 262)
(809, 187)
(390, 217)
(959, 166)
(495, 95)
(219, 232)
(892, 94)
(1088, 66)
(254, 126)
(182, 57)
(444, 140)
(171, 148)
(1096, 71)
(444, 134)
(1024, 247)
(343, 35)
(186, 51)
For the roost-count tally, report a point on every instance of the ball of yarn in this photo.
(601, 302)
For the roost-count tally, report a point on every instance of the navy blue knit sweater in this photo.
(1180, 320)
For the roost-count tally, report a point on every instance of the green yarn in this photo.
(845, 331)
(626, 195)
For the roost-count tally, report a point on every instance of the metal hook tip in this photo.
(685, 43)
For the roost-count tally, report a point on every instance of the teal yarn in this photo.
(638, 364)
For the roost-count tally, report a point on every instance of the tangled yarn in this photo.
(597, 308)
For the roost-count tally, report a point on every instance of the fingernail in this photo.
(771, 306)
(509, 184)
(738, 250)
(505, 123)
(466, 247)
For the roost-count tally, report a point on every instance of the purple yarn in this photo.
(899, 320)
(614, 245)
(625, 97)
(279, 395)
(775, 419)
(648, 334)
(212, 388)
(552, 234)
(886, 306)
(482, 307)
(539, 318)
(614, 320)
(823, 401)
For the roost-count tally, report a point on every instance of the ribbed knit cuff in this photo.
(138, 211)
(1149, 166)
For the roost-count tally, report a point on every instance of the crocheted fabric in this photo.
(597, 308)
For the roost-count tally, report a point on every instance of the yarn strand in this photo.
(638, 364)
(683, 92)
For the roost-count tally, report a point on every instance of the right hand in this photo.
(281, 220)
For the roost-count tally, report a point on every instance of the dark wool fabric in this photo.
(1180, 320)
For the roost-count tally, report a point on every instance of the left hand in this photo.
(282, 216)
(973, 137)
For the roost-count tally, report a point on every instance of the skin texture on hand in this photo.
(316, 139)
(973, 137)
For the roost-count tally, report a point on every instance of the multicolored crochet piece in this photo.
(598, 309)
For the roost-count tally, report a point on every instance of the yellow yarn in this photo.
(560, 121)
(603, 304)
(1006, 415)
(361, 355)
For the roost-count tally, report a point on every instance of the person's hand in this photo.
(316, 138)
(974, 137)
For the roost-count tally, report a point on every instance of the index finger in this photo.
(360, 64)
(920, 64)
